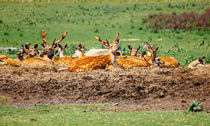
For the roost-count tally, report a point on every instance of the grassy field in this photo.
(21, 23)
(96, 114)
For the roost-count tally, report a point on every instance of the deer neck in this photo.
(81, 55)
(61, 54)
(112, 56)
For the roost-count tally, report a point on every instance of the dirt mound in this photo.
(152, 88)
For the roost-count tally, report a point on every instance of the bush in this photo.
(185, 20)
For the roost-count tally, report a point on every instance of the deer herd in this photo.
(91, 60)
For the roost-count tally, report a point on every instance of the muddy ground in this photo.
(148, 88)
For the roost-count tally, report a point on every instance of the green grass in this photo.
(96, 114)
(21, 23)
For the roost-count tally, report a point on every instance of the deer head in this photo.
(32, 50)
(79, 52)
(112, 47)
(61, 50)
(201, 60)
(152, 51)
(54, 43)
(133, 51)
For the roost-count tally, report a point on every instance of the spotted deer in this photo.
(133, 51)
(97, 62)
(48, 47)
(100, 52)
(160, 61)
(68, 60)
(199, 62)
(77, 54)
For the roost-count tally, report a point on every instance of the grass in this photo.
(21, 23)
(96, 114)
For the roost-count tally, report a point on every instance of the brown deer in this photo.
(134, 51)
(68, 60)
(97, 62)
(160, 61)
(100, 52)
(199, 62)
(77, 54)
(48, 47)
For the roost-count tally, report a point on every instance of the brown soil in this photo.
(148, 88)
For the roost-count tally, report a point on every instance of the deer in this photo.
(22, 54)
(160, 61)
(133, 51)
(133, 60)
(68, 60)
(77, 54)
(88, 63)
(199, 62)
(48, 47)
(100, 52)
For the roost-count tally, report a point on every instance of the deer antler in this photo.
(116, 37)
(150, 47)
(98, 38)
(43, 37)
(105, 43)
(62, 37)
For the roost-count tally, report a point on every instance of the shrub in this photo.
(185, 20)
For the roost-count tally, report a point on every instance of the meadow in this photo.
(23, 22)
(96, 114)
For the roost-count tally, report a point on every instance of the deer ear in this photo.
(43, 45)
(129, 47)
(117, 42)
(138, 47)
(143, 53)
(59, 46)
(35, 46)
(65, 46)
(80, 46)
(54, 46)
(56, 51)
(27, 46)
(156, 49)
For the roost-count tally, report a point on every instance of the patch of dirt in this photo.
(150, 88)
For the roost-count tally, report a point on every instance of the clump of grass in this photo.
(195, 107)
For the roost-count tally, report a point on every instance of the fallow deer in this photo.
(100, 52)
(160, 61)
(68, 60)
(199, 62)
(133, 51)
(53, 45)
(97, 62)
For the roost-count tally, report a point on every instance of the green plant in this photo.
(195, 107)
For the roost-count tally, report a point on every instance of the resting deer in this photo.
(68, 60)
(97, 62)
(199, 62)
(160, 61)
(22, 54)
(133, 51)
(48, 47)
(77, 54)
(100, 52)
